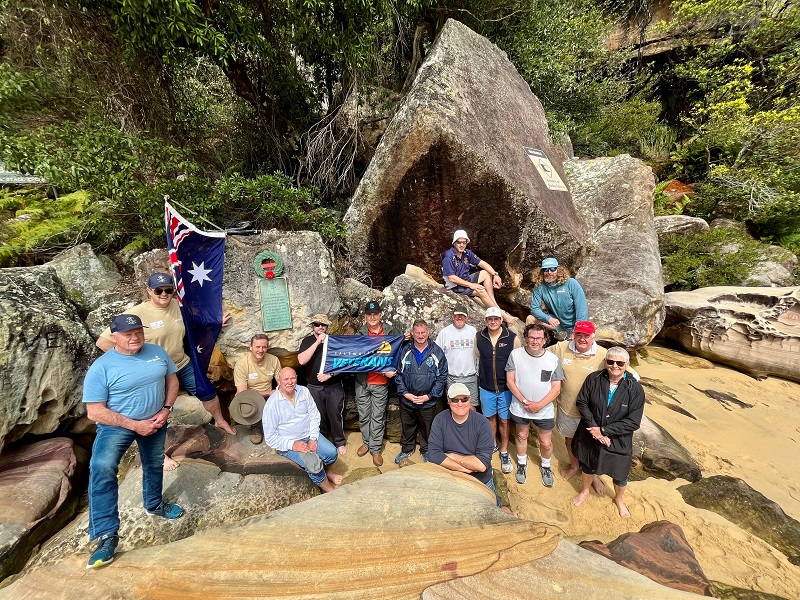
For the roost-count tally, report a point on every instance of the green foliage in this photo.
(664, 204)
(34, 226)
(716, 257)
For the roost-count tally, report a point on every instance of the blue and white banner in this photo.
(196, 258)
(360, 353)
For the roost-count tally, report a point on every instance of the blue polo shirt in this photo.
(460, 267)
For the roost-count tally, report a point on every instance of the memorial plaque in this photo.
(275, 310)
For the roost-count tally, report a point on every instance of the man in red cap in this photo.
(579, 357)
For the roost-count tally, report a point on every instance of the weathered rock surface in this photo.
(677, 224)
(88, 279)
(673, 357)
(308, 267)
(413, 521)
(754, 330)
(748, 509)
(567, 572)
(40, 488)
(44, 353)
(776, 268)
(657, 454)
(659, 552)
(724, 591)
(221, 480)
(622, 274)
(100, 318)
(451, 158)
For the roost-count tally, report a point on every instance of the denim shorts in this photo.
(465, 291)
(495, 403)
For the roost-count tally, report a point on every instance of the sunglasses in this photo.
(459, 400)
(159, 291)
(550, 269)
(619, 363)
(319, 324)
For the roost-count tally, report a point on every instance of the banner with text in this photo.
(360, 353)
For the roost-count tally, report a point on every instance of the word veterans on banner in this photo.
(360, 353)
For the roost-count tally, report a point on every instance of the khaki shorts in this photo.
(566, 425)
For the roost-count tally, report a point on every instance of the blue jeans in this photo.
(327, 452)
(491, 486)
(187, 382)
(109, 446)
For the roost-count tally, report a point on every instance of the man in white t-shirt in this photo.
(534, 376)
(458, 343)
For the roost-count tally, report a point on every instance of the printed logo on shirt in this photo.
(252, 375)
(429, 362)
(156, 324)
(502, 344)
(154, 359)
(567, 361)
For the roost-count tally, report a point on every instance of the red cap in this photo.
(584, 327)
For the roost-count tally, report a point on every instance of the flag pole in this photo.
(187, 209)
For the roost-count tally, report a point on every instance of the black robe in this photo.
(618, 421)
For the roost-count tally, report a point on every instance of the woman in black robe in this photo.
(611, 403)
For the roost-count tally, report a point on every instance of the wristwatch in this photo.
(169, 408)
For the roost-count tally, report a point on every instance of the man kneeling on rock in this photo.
(129, 392)
(291, 426)
(462, 440)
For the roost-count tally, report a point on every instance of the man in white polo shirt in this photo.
(534, 376)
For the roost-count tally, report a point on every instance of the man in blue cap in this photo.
(558, 301)
(129, 391)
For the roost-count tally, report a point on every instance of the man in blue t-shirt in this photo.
(129, 391)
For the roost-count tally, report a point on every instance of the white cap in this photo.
(460, 233)
(493, 311)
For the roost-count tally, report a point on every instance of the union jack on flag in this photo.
(197, 258)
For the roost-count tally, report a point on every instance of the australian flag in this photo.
(196, 258)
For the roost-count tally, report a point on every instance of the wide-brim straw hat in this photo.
(247, 407)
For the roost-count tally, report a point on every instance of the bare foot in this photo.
(225, 426)
(334, 478)
(569, 473)
(325, 486)
(342, 450)
(623, 510)
(580, 498)
(170, 464)
(508, 510)
(598, 486)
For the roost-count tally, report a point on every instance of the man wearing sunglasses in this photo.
(461, 440)
(558, 300)
(326, 389)
(162, 316)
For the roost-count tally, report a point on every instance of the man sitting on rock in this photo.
(255, 371)
(291, 427)
(129, 391)
(461, 439)
(457, 262)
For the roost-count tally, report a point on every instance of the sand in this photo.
(759, 445)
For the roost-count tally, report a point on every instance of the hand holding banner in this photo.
(360, 353)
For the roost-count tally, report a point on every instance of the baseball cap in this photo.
(584, 327)
(159, 279)
(460, 309)
(460, 233)
(372, 308)
(457, 389)
(123, 323)
(549, 263)
(493, 311)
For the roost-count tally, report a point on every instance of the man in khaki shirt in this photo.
(256, 371)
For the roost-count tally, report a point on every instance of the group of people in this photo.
(576, 387)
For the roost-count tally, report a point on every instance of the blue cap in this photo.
(549, 263)
(159, 280)
(123, 323)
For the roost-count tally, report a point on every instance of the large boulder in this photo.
(657, 454)
(88, 279)
(45, 351)
(747, 508)
(452, 158)
(569, 572)
(309, 270)
(659, 552)
(221, 480)
(622, 274)
(389, 536)
(678, 224)
(40, 489)
(755, 330)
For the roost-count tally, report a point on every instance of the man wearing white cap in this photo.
(457, 263)
(461, 440)
(457, 340)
